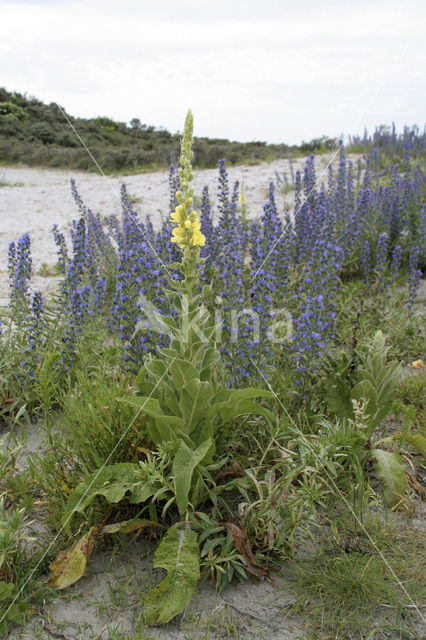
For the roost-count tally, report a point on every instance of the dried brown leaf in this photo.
(242, 545)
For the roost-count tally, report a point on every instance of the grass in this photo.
(48, 271)
(223, 622)
(363, 587)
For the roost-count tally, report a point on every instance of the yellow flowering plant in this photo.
(179, 393)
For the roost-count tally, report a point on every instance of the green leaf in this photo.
(129, 526)
(165, 426)
(391, 471)
(211, 356)
(195, 397)
(156, 368)
(171, 402)
(167, 321)
(143, 384)
(338, 397)
(147, 405)
(168, 427)
(170, 354)
(247, 408)
(6, 590)
(182, 371)
(112, 481)
(222, 395)
(375, 410)
(250, 392)
(236, 400)
(179, 554)
(184, 464)
(418, 442)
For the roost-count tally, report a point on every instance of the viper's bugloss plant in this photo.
(414, 275)
(396, 262)
(20, 271)
(381, 261)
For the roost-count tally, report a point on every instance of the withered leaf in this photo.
(70, 564)
(242, 545)
(234, 469)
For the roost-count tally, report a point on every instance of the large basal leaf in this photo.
(375, 409)
(250, 392)
(184, 464)
(387, 381)
(148, 406)
(171, 401)
(70, 564)
(365, 390)
(168, 427)
(179, 554)
(113, 482)
(391, 471)
(143, 383)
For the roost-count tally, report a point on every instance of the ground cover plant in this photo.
(235, 389)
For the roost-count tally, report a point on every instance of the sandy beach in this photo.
(34, 199)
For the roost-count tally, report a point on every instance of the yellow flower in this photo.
(196, 225)
(178, 234)
(176, 216)
(188, 223)
(198, 239)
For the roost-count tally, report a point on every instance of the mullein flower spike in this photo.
(187, 234)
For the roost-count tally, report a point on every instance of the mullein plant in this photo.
(180, 394)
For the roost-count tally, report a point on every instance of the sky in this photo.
(272, 70)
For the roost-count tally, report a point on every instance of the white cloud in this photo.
(276, 70)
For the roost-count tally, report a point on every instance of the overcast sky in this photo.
(274, 70)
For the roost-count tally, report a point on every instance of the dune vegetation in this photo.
(247, 394)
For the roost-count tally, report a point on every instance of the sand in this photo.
(33, 200)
